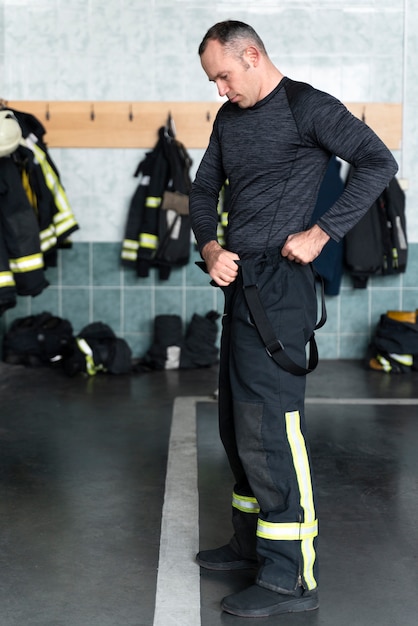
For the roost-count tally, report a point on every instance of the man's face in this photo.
(234, 77)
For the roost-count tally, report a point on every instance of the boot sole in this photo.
(292, 606)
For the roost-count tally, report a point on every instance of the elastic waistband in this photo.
(271, 254)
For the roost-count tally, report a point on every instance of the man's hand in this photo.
(220, 263)
(304, 247)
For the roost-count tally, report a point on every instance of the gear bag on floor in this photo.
(97, 349)
(394, 347)
(200, 348)
(37, 340)
(171, 349)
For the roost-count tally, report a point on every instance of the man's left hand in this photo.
(304, 247)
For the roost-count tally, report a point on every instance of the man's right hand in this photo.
(220, 263)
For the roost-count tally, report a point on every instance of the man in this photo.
(272, 140)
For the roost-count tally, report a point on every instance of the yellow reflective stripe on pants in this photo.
(246, 504)
(303, 474)
(301, 464)
(304, 531)
(287, 532)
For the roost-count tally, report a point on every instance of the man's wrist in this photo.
(320, 233)
(208, 248)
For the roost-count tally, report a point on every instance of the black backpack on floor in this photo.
(97, 349)
(171, 349)
(37, 340)
(394, 347)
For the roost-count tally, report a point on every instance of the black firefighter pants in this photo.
(262, 425)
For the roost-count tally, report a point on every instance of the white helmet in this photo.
(10, 133)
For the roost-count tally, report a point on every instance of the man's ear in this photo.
(252, 55)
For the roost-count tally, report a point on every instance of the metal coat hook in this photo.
(92, 114)
(363, 115)
(47, 113)
(173, 127)
(170, 126)
(208, 116)
(131, 115)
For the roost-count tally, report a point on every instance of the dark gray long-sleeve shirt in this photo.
(274, 155)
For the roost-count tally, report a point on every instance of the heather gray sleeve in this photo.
(203, 201)
(334, 128)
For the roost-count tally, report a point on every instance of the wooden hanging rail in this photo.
(84, 124)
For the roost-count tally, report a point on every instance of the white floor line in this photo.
(178, 584)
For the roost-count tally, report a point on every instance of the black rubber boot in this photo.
(224, 559)
(259, 602)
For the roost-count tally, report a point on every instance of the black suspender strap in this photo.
(273, 345)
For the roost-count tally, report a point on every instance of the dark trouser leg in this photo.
(244, 506)
(268, 408)
(280, 475)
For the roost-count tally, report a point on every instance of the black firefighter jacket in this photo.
(21, 259)
(149, 239)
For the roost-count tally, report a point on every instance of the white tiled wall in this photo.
(358, 50)
(147, 50)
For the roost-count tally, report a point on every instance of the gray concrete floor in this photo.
(82, 479)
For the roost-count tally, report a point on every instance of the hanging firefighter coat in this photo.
(158, 230)
(377, 245)
(22, 265)
(35, 216)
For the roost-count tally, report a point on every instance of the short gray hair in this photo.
(233, 35)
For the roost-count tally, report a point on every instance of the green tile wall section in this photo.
(90, 285)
